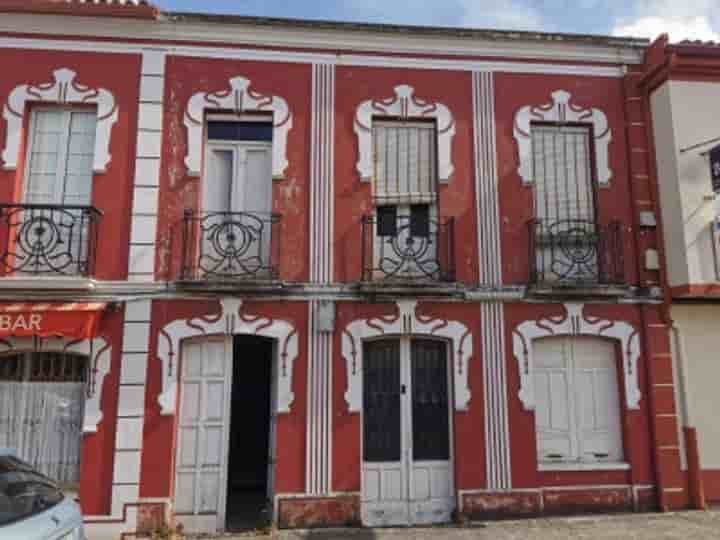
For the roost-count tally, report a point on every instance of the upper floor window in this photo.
(570, 245)
(53, 229)
(59, 167)
(577, 408)
(236, 233)
(561, 160)
(408, 236)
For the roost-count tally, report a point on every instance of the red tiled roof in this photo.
(139, 9)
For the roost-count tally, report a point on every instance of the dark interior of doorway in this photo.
(248, 506)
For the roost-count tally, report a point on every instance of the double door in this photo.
(407, 472)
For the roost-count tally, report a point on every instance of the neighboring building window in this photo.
(60, 157)
(42, 404)
(562, 172)
(577, 411)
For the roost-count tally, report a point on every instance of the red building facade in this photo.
(373, 277)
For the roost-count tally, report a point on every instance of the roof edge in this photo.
(403, 29)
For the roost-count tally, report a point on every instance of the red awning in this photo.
(74, 320)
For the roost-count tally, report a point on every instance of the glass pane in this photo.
(381, 401)
(240, 131)
(431, 426)
(219, 181)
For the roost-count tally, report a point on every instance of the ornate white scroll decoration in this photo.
(99, 354)
(561, 110)
(229, 322)
(239, 98)
(404, 105)
(576, 323)
(63, 90)
(406, 323)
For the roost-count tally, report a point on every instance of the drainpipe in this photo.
(696, 486)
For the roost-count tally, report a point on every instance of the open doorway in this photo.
(249, 478)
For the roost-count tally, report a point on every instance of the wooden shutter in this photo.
(562, 173)
(598, 400)
(556, 440)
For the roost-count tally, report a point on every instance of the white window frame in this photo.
(581, 462)
(62, 154)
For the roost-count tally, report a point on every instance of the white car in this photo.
(32, 507)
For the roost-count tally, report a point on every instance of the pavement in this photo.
(671, 526)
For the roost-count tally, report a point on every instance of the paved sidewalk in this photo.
(676, 526)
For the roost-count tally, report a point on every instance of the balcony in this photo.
(407, 254)
(48, 240)
(230, 247)
(576, 256)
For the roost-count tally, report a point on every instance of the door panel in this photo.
(431, 499)
(203, 433)
(384, 475)
(407, 469)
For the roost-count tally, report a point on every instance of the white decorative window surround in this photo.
(576, 323)
(63, 90)
(239, 98)
(229, 322)
(97, 350)
(561, 110)
(406, 323)
(404, 105)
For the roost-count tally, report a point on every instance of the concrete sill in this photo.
(47, 283)
(573, 466)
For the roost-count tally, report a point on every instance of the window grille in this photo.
(562, 172)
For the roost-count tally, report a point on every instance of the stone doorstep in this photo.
(436, 533)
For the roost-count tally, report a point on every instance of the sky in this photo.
(682, 19)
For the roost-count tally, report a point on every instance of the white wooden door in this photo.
(203, 431)
(407, 472)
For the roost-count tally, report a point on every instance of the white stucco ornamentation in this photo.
(404, 105)
(99, 354)
(406, 323)
(561, 110)
(576, 323)
(229, 322)
(239, 98)
(64, 89)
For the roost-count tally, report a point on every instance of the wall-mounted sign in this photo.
(715, 168)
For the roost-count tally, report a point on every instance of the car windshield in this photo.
(23, 491)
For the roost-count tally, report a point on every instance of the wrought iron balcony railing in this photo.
(575, 252)
(45, 239)
(230, 246)
(408, 253)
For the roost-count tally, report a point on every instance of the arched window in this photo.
(42, 401)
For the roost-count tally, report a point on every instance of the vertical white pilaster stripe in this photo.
(147, 167)
(318, 467)
(131, 406)
(497, 432)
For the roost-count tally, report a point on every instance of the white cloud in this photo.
(681, 19)
(500, 14)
